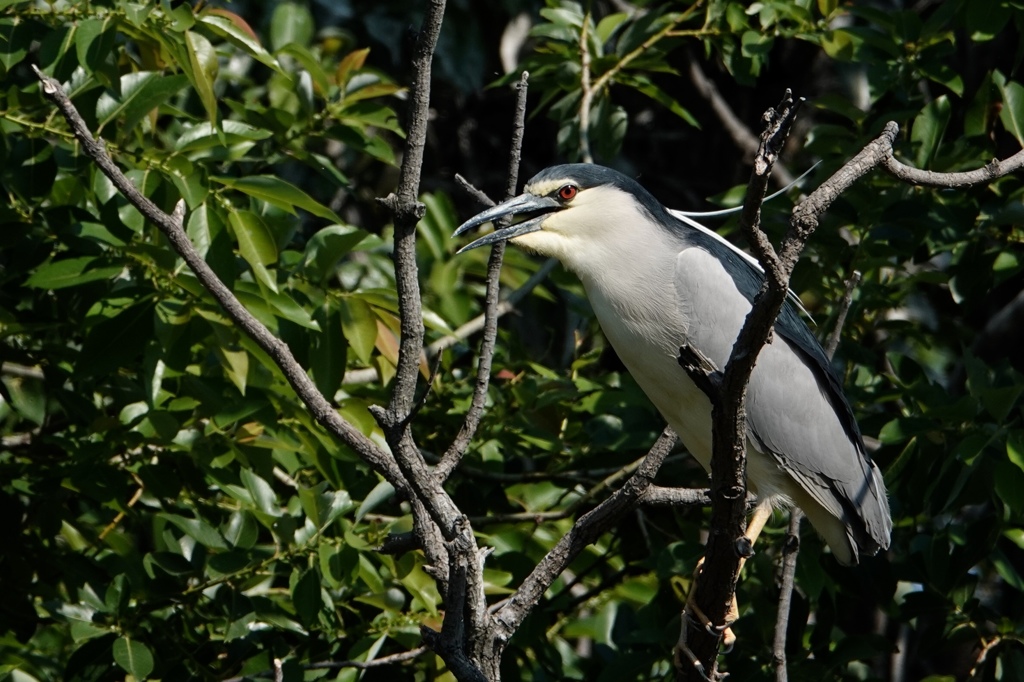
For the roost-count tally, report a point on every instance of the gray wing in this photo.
(796, 409)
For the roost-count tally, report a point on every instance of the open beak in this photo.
(524, 203)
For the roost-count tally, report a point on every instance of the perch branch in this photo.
(407, 210)
(716, 583)
(588, 528)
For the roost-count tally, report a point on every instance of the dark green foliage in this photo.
(171, 511)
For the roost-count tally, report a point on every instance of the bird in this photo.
(658, 282)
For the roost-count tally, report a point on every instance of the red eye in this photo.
(567, 193)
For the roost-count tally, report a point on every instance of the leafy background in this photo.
(171, 510)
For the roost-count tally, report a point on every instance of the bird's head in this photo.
(573, 212)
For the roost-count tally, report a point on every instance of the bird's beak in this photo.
(524, 203)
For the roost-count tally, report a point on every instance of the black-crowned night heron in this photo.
(657, 283)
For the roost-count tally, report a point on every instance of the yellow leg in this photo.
(758, 519)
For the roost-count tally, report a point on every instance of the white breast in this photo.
(647, 335)
(648, 325)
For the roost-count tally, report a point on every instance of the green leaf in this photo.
(306, 596)
(325, 248)
(1015, 447)
(197, 529)
(262, 493)
(286, 307)
(71, 272)
(351, 63)
(256, 245)
(279, 193)
(291, 23)
(929, 127)
(202, 71)
(644, 85)
(360, 325)
(1012, 113)
(134, 657)
(242, 530)
(984, 20)
(205, 135)
(312, 65)
(1006, 570)
(381, 493)
(94, 42)
(328, 349)
(15, 41)
(199, 230)
(323, 506)
(236, 365)
(141, 92)
(118, 594)
(608, 25)
(236, 30)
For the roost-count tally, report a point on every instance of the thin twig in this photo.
(608, 75)
(588, 528)
(844, 308)
(408, 210)
(455, 452)
(654, 495)
(391, 659)
(789, 553)
(791, 549)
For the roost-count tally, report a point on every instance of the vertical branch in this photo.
(458, 447)
(716, 583)
(844, 308)
(791, 549)
(789, 552)
(408, 211)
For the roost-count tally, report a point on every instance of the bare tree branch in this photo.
(789, 553)
(588, 528)
(453, 456)
(407, 210)
(791, 548)
(391, 659)
(716, 583)
(660, 496)
(994, 170)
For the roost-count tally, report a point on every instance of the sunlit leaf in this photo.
(256, 244)
(134, 657)
(279, 193)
